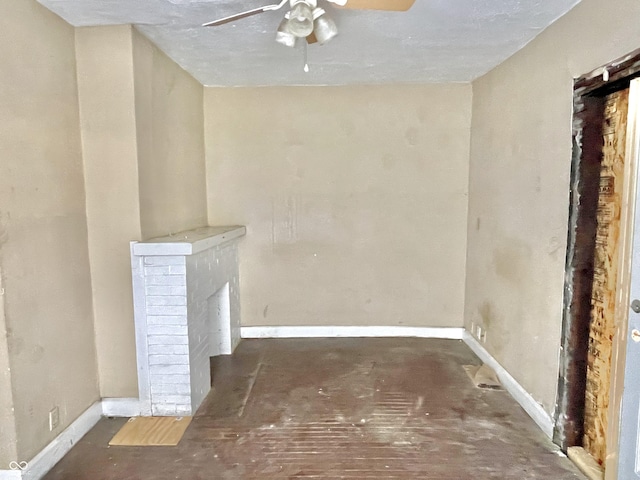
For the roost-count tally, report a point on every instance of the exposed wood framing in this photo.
(603, 299)
(585, 184)
(627, 216)
(589, 91)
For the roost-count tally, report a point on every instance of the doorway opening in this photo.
(597, 266)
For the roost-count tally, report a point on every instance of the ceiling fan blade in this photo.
(311, 39)
(246, 14)
(389, 5)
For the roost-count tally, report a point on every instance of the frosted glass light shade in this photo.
(325, 28)
(284, 35)
(301, 20)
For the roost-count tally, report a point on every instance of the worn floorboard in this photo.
(337, 409)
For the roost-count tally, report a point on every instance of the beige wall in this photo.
(170, 129)
(355, 201)
(43, 231)
(108, 118)
(8, 445)
(519, 187)
(143, 147)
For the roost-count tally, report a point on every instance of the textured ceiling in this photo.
(436, 41)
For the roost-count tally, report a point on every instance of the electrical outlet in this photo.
(54, 418)
(483, 337)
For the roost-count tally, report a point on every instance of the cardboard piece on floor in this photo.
(483, 376)
(151, 432)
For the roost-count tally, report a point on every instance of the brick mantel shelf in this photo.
(186, 309)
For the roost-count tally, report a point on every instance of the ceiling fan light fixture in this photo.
(324, 27)
(301, 19)
(284, 35)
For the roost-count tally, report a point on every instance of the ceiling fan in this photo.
(305, 20)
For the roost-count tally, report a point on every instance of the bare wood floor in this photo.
(337, 409)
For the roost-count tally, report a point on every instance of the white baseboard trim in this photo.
(120, 407)
(351, 332)
(526, 401)
(58, 448)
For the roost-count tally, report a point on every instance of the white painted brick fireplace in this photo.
(187, 309)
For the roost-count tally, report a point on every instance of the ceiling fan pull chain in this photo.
(305, 53)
